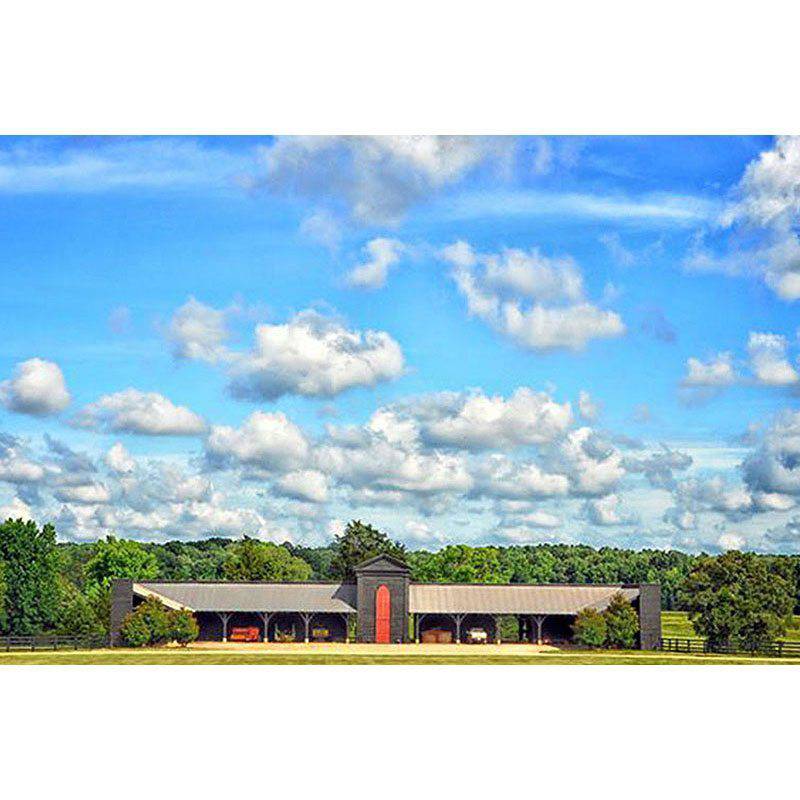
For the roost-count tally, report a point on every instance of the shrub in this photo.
(622, 623)
(590, 628)
(184, 627)
(157, 618)
(134, 630)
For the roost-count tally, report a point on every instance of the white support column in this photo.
(224, 616)
(498, 636)
(539, 620)
(307, 622)
(266, 616)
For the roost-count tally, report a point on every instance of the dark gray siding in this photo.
(121, 606)
(649, 616)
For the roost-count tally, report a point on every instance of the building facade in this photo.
(384, 605)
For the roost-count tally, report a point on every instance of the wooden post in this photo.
(224, 616)
(266, 616)
(346, 618)
(458, 618)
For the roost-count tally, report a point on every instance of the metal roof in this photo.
(448, 598)
(229, 596)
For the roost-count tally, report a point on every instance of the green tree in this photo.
(3, 615)
(734, 599)
(134, 630)
(119, 558)
(77, 614)
(590, 628)
(252, 560)
(156, 617)
(622, 623)
(357, 543)
(31, 576)
(184, 627)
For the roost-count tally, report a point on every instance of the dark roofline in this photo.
(382, 557)
(246, 583)
(512, 585)
(412, 583)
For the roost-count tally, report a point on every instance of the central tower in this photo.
(382, 586)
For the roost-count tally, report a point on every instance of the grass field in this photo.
(676, 624)
(340, 654)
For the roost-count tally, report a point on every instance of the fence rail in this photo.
(51, 642)
(695, 645)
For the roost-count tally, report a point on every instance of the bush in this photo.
(152, 623)
(622, 623)
(184, 627)
(590, 628)
(157, 618)
(134, 630)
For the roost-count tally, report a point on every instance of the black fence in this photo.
(51, 642)
(776, 649)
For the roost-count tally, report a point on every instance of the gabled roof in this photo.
(382, 563)
(255, 596)
(518, 598)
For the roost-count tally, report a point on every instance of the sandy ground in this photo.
(338, 648)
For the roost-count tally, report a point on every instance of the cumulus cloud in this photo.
(313, 356)
(16, 466)
(717, 372)
(476, 421)
(774, 465)
(310, 355)
(592, 465)
(381, 255)
(37, 388)
(85, 494)
(608, 511)
(119, 460)
(763, 219)
(377, 178)
(500, 477)
(659, 467)
(322, 227)
(16, 509)
(768, 360)
(266, 440)
(198, 332)
(308, 485)
(132, 411)
(537, 301)
(770, 186)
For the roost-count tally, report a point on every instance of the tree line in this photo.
(64, 587)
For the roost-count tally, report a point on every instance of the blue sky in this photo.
(460, 339)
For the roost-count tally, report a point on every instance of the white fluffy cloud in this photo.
(537, 301)
(265, 440)
(313, 356)
(85, 494)
(119, 460)
(768, 360)
(589, 409)
(608, 511)
(16, 509)
(198, 331)
(308, 485)
(132, 411)
(716, 372)
(770, 186)
(37, 388)
(381, 255)
(378, 177)
(476, 421)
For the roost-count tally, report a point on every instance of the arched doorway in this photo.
(383, 615)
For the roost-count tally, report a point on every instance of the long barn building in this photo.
(383, 605)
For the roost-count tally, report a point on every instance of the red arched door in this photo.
(383, 615)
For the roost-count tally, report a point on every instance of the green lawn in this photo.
(172, 656)
(676, 624)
